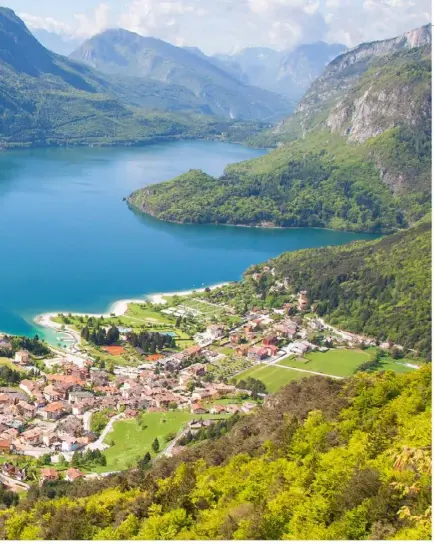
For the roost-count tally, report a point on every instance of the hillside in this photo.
(46, 99)
(380, 288)
(324, 459)
(289, 73)
(124, 53)
(359, 161)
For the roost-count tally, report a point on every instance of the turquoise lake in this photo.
(69, 243)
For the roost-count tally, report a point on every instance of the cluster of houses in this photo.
(48, 414)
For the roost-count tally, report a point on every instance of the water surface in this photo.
(69, 242)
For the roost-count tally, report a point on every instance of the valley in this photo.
(242, 352)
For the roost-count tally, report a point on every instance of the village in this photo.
(49, 414)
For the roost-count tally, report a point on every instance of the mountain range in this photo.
(123, 53)
(289, 73)
(119, 87)
(356, 155)
(48, 99)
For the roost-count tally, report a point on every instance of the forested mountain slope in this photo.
(125, 53)
(380, 288)
(360, 158)
(46, 99)
(322, 460)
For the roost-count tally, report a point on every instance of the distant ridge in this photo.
(120, 52)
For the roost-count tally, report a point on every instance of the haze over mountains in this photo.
(286, 72)
(357, 153)
(48, 99)
(119, 52)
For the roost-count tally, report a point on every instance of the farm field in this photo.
(273, 377)
(133, 441)
(336, 362)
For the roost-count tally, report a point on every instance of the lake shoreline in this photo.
(116, 309)
(266, 225)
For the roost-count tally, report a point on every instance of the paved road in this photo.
(15, 484)
(87, 416)
(99, 444)
(167, 452)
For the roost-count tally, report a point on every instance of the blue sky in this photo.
(227, 25)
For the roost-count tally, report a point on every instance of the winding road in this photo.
(99, 444)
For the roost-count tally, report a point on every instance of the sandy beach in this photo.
(117, 309)
(159, 298)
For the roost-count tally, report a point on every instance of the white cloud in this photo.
(373, 20)
(223, 25)
(98, 21)
(46, 23)
(227, 25)
(82, 26)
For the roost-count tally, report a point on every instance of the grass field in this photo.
(7, 362)
(397, 365)
(273, 377)
(132, 441)
(337, 362)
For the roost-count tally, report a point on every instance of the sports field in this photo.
(273, 377)
(336, 362)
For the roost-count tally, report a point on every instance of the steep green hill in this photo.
(381, 288)
(358, 157)
(322, 460)
(120, 52)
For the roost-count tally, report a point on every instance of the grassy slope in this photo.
(133, 441)
(337, 362)
(273, 377)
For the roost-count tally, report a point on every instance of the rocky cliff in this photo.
(342, 79)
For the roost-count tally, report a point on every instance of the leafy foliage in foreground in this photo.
(323, 460)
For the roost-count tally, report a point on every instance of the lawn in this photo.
(8, 362)
(132, 441)
(397, 365)
(273, 377)
(337, 362)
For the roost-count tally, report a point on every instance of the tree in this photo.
(46, 459)
(62, 461)
(112, 335)
(144, 462)
(156, 445)
(396, 353)
(77, 459)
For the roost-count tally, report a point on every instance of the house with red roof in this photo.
(72, 474)
(49, 474)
